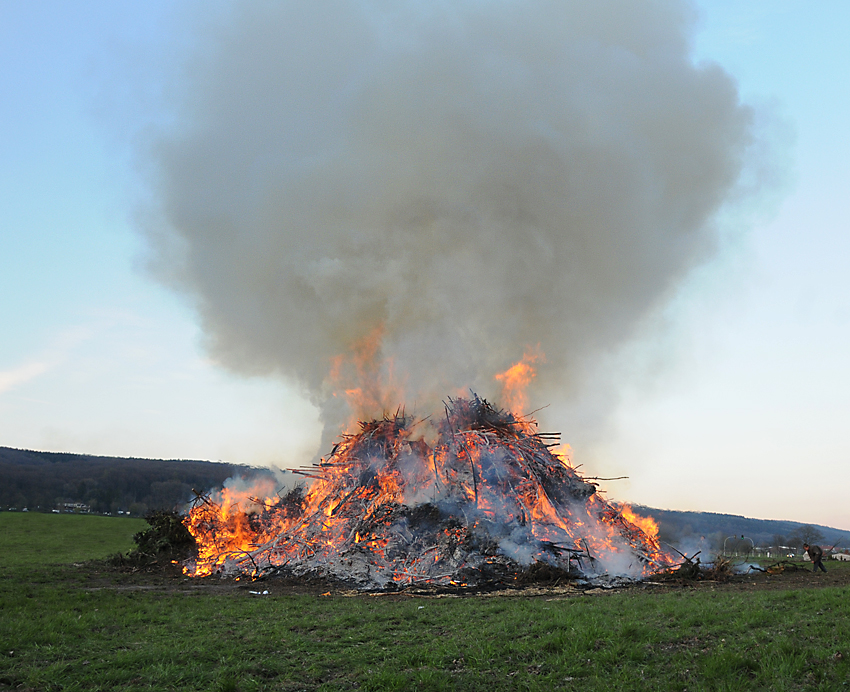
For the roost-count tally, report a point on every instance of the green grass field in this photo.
(27, 537)
(66, 627)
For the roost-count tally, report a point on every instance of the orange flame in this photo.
(515, 381)
(646, 524)
(564, 454)
(222, 527)
(365, 379)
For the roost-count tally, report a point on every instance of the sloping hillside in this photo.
(45, 480)
(697, 529)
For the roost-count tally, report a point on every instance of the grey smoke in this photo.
(475, 178)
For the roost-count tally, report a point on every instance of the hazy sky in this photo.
(733, 399)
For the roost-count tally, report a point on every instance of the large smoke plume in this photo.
(409, 196)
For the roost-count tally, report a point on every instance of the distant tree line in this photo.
(42, 481)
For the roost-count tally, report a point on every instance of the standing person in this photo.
(816, 553)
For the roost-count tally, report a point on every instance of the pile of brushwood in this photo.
(486, 503)
(692, 569)
(164, 543)
(719, 570)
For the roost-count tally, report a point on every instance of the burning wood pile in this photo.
(486, 502)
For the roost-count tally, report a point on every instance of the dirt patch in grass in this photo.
(803, 577)
(169, 578)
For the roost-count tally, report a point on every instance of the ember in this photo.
(486, 503)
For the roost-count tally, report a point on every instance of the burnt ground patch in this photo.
(543, 581)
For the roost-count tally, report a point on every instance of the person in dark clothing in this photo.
(816, 553)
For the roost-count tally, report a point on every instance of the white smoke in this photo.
(452, 183)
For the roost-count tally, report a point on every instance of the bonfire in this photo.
(487, 502)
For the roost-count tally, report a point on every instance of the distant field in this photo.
(66, 627)
(26, 537)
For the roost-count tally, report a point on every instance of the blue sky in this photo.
(746, 414)
(753, 412)
(95, 356)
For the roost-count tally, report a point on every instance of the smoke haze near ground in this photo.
(439, 188)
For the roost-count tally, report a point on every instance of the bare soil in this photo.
(169, 578)
(797, 576)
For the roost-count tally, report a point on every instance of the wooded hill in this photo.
(43, 481)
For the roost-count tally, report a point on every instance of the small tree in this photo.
(806, 534)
